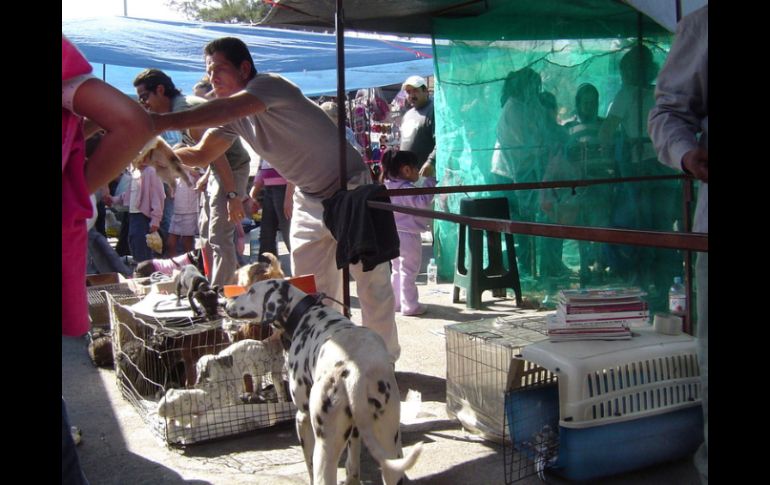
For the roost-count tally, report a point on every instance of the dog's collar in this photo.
(305, 304)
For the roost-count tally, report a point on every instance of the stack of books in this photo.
(606, 314)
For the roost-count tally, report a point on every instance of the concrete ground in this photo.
(118, 448)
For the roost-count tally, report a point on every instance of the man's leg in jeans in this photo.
(138, 228)
(104, 257)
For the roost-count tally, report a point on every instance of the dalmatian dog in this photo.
(341, 381)
(253, 357)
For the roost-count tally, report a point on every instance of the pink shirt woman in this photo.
(76, 205)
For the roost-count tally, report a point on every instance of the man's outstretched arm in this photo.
(216, 112)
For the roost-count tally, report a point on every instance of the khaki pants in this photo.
(216, 230)
(313, 251)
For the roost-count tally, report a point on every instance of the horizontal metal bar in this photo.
(668, 240)
(530, 185)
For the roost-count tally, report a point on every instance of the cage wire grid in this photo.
(531, 418)
(479, 357)
(154, 356)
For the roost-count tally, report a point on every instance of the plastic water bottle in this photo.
(677, 298)
(432, 272)
(254, 245)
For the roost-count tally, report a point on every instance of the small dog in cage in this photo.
(197, 287)
(251, 330)
(245, 357)
(183, 406)
(251, 273)
(545, 444)
(341, 381)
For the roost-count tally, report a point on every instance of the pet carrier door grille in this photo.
(643, 386)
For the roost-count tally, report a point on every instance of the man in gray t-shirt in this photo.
(285, 127)
(417, 128)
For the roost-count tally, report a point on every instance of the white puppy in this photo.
(184, 406)
(245, 357)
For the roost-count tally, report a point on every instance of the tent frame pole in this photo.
(340, 34)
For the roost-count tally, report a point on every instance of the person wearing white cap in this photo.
(418, 125)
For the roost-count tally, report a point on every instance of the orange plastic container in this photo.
(231, 291)
(305, 283)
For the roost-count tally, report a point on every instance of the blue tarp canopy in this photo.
(121, 47)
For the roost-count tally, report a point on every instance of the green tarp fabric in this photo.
(506, 111)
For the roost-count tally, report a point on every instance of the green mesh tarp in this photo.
(507, 85)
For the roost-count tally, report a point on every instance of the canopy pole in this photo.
(342, 139)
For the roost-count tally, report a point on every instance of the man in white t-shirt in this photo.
(299, 139)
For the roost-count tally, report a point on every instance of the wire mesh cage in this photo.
(532, 420)
(193, 380)
(97, 302)
(479, 357)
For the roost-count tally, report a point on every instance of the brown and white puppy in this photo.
(341, 381)
(251, 273)
(161, 156)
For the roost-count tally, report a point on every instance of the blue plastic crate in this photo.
(604, 450)
(617, 406)
(600, 451)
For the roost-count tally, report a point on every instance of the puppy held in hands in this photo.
(160, 155)
(251, 273)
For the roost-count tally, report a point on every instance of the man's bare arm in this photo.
(211, 147)
(216, 112)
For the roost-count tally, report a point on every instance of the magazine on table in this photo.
(609, 294)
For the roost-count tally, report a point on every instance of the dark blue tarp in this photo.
(126, 45)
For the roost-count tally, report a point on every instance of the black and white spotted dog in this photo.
(341, 381)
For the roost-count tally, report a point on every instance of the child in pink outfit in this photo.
(401, 170)
(145, 199)
(184, 224)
